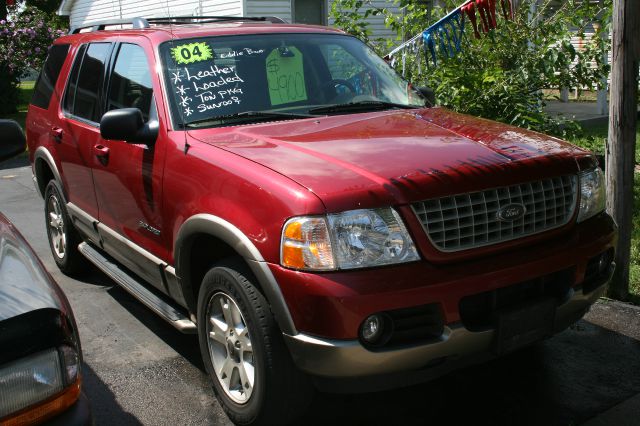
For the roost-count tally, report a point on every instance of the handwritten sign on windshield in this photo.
(285, 76)
(192, 52)
(207, 84)
(202, 89)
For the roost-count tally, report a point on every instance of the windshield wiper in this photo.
(359, 107)
(246, 116)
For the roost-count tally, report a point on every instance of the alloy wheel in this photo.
(230, 347)
(55, 224)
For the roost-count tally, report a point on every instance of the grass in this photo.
(25, 90)
(595, 139)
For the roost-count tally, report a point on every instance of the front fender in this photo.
(225, 231)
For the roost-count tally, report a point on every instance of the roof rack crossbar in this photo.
(136, 23)
(192, 19)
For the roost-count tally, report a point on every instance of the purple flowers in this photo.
(24, 40)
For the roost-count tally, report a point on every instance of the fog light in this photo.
(372, 328)
(605, 261)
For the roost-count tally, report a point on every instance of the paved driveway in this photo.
(139, 370)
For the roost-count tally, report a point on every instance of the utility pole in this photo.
(623, 117)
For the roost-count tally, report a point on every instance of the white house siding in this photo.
(279, 8)
(376, 23)
(83, 11)
(222, 7)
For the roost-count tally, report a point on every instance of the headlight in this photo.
(593, 194)
(38, 386)
(348, 240)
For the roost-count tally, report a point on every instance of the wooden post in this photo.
(602, 103)
(623, 116)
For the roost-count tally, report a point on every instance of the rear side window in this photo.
(84, 92)
(70, 95)
(49, 75)
(130, 85)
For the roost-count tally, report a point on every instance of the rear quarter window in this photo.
(49, 75)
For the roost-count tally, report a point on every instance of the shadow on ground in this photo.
(186, 345)
(107, 408)
(19, 161)
(563, 381)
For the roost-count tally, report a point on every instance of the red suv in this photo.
(281, 191)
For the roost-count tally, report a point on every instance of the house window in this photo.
(309, 12)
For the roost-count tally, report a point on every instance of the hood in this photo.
(397, 157)
(25, 286)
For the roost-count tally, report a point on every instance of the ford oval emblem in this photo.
(511, 212)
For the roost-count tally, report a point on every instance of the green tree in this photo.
(502, 74)
(25, 36)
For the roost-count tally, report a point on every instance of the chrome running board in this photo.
(138, 290)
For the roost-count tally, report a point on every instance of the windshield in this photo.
(212, 80)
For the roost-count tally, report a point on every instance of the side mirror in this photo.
(429, 94)
(127, 124)
(12, 140)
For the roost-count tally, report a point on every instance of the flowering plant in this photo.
(25, 37)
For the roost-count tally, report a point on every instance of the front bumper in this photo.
(333, 305)
(458, 346)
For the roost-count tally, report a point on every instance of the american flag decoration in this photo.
(445, 36)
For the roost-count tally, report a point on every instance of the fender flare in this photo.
(238, 241)
(43, 154)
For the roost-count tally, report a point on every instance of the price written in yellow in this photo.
(192, 52)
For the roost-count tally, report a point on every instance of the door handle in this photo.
(102, 152)
(56, 134)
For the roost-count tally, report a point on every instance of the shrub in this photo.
(501, 75)
(25, 37)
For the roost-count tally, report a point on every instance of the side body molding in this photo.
(217, 227)
(43, 154)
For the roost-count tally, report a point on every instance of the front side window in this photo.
(130, 85)
(84, 91)
(214, 80)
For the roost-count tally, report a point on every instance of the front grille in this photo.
(465, 221)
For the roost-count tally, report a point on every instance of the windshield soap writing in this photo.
(208, 88)
(202, 87)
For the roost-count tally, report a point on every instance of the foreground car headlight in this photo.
(348, 240)
(39, 386)
(593, 194)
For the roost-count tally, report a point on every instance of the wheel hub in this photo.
(234, 347)
(230, 348)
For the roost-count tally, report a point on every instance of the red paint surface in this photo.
(258, 176)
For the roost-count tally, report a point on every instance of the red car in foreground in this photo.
(281, 191)
(40, 354)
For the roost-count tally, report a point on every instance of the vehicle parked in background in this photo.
(40, 356)
(281, 191)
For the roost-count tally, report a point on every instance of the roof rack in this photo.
(137, 23)
(141, 23)
(210, 19)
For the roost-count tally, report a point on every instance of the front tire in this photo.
(242, 348)
(63, 237)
